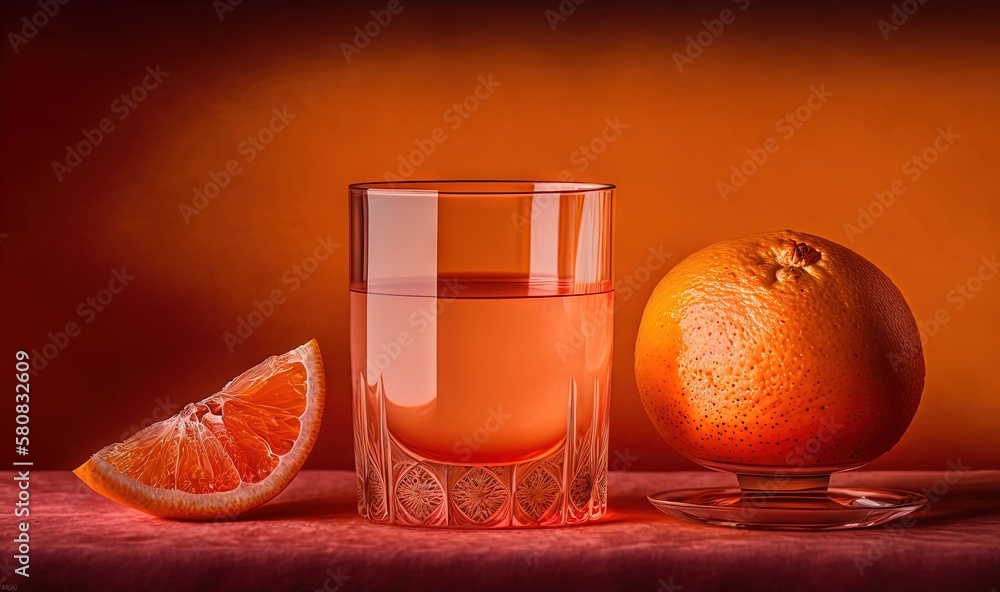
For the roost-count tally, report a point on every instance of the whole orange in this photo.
(779, 351)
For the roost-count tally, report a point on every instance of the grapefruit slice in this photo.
(225, 454)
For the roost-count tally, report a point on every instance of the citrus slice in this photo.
(225, 454)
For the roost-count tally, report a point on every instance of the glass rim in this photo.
(429, 185)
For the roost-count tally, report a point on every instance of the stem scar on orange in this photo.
(779, 350)
(225, 454)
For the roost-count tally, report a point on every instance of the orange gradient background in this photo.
(159, 343)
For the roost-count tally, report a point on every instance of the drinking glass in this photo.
(481, 349)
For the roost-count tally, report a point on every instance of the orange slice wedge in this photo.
(225, 454)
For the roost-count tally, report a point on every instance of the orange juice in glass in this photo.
(481, 334)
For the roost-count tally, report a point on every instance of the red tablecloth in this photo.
(311, 538)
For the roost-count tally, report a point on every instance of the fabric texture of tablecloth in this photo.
(311, 538)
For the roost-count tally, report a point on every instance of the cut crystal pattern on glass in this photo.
(429, 493)
(582, 487)
(419, 493)
(361, 495)
(602, 487)
(478, 494)
(376, 493)
(537, 493)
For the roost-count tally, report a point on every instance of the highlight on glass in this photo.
(481, 347)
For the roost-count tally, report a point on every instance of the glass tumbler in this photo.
(481, 349)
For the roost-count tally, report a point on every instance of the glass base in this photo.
(800, 502)
(568, 486)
